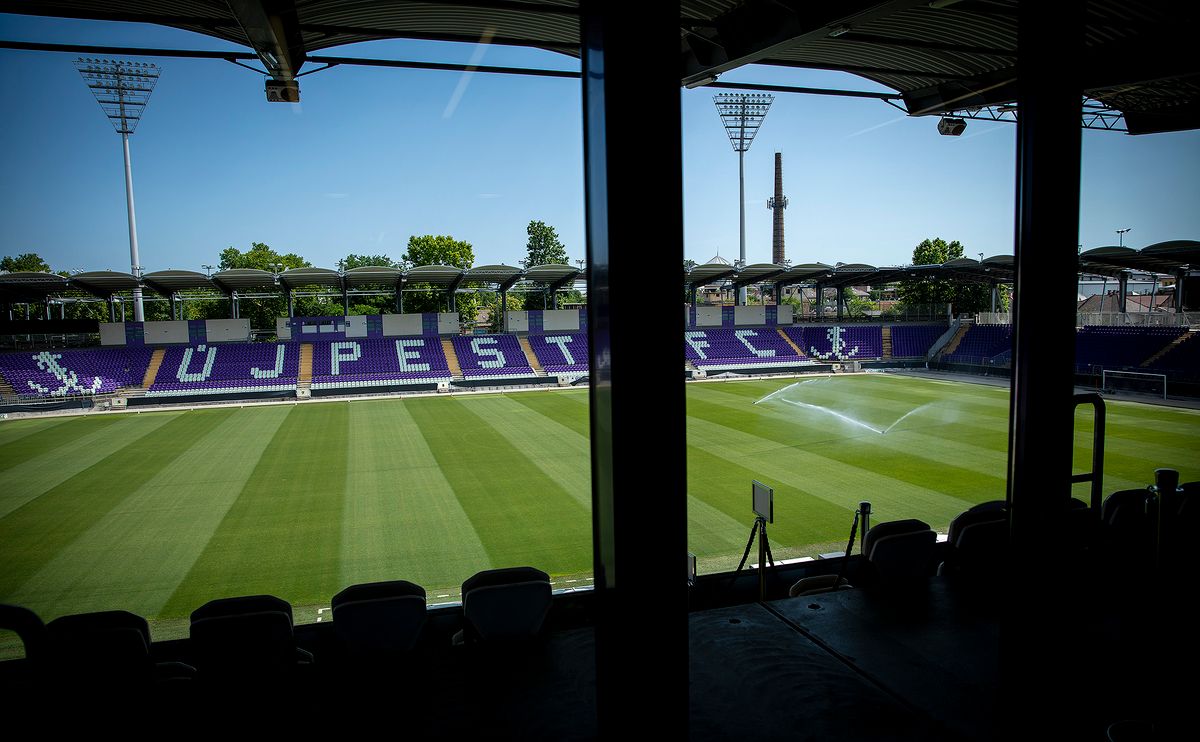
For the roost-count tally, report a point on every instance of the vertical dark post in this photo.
(1180, 276)
(112, 309)
(287, 291)
(399, 305)
(631, 95)
(345, 302)
(1036, 675)
(1122, 292)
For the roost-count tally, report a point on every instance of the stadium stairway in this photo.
(887, 342)
(452, 359)
(952, 345)
(152, 370)
(304, 374)
(531, 356)
(788, 340)
(1169, 347)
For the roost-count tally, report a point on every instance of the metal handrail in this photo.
(1096, 475)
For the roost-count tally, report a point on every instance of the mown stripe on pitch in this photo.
(54, 466)
(562, 454)
(401, 519)
(44, 444)
(521, 515)
(282, 535)
(825, 423)
(14, 430)
(801, 518)
(561, 407)
(135, 555)
(32, 535)
(979, 475)
(827, 478)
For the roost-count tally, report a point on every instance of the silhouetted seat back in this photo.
(27, 626)
(977, 542)
(100, 647)
(506, 604)
(236, 638)
(1128, 528)
(900, 549)
(379, 616)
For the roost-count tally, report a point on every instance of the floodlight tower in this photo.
(741, 115)
(123, 89)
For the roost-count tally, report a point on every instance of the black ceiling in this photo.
(1139, 57)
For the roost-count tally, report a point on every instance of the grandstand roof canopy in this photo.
(297, 277)
(244, 279)
(30, 286)
(435, 275)
(105, 283)
(939, 57)
(1163, 257)
(169, 282)
(372, 275)
(501, 276)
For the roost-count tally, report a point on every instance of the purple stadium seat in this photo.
(911, 341)
(728, 347)
(229, 367)
(981, 343)
(69, 373)
(561, 352)
(365, 362)
(491, 356)
(838, 342)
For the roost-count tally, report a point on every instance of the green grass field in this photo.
(159, 512)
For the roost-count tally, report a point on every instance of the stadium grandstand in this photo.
(992, 598)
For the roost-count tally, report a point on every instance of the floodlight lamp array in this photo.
(122, 88)
(742, 114)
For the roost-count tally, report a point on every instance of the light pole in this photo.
(123, 89)
(742, 114)
(1121, 236)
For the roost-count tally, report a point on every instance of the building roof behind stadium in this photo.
(939, 57)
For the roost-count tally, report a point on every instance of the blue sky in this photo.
(372, 156)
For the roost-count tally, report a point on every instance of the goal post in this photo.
(1137, 382)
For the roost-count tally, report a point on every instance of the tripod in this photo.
(759, 531)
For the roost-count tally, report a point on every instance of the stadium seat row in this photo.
(249, 639)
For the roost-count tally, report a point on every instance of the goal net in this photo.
(1135, 382)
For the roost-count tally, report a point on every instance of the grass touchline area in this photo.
(158, 512)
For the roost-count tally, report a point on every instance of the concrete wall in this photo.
(395, 325)
(754, 315)
(448, 323)
(112, 333)
(220, 331)
(517, 321)
(708, 316)
(560, 319)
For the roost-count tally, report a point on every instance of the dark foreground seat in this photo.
(106, 649)
(900, 549)
(243, 639)
(379, 617)
(504, 605)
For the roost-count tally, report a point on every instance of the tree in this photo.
(963, 297)
(543, 247)
(262, 257)
(26, 262)
(381, 304)
(439, 250)
(362, 261)
(262, 313)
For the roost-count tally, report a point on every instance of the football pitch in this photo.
(158, 512)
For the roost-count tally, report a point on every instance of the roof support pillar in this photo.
(345, 301)
(1034, 665)
(1180, 275)
(1122, 292)
(112, 309)
(46, 308)
(291, 302)
(635, 66)
(397, 300)
(233, 305)
(840, 302)
(503, 311)
(995, 296)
